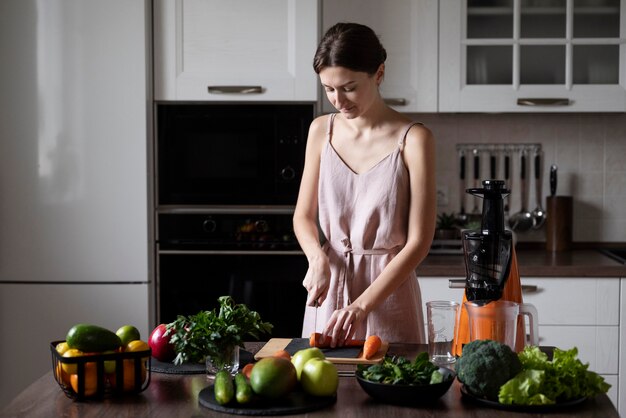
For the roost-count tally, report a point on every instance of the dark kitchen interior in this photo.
(227, 180)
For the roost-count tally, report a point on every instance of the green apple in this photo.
(128, 333)
(300, 358)
(319, 377)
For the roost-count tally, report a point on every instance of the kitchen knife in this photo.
(507, 172)
(476, 178)
(462, 182)
(553, 179)
(315, 305)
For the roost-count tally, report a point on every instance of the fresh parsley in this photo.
(209, 333)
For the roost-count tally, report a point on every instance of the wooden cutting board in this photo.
(339, 355)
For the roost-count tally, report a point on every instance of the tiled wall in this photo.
(589, 150)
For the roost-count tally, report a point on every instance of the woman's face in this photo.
(351, 92)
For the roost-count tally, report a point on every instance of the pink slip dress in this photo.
(364, 218)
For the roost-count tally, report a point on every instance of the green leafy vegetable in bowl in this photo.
(399, 370)
(209, 332)
(544, 382)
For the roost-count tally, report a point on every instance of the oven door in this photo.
(270, 284)
(231, 154)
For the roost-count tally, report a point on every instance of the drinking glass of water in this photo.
(441, 316)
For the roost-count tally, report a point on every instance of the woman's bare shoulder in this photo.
(419, 141)
(419, 134)
(318, 130)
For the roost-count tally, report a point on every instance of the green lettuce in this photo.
(543, 382)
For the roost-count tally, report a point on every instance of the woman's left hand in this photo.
(343, 323)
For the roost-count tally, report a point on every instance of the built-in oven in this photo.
(250, 254)
(227, 179)
(230, 153)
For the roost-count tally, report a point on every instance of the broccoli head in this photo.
(485, 366)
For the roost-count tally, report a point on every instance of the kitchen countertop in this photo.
(175, 396)
(535, 263)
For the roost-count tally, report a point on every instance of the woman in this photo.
(369, 178)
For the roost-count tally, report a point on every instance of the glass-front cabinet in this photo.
(532, 55)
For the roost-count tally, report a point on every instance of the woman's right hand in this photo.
(317, 280)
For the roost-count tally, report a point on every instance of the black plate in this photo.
(521, 408)
(296, 402)
(407, 394)
(157, 366)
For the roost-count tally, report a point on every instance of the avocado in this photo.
(92, 338)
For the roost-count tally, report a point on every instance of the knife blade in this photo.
(315, 305)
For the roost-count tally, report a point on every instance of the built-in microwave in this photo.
(230, 153)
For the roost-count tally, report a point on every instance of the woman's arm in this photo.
(317, 279)
(419, 157)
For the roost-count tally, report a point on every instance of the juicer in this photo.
(488, 251)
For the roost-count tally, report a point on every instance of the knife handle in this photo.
(553, 179)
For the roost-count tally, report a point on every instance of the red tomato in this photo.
(162, 350)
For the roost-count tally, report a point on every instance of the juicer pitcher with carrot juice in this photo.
(492, 305)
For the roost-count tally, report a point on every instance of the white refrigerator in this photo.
(74, 121)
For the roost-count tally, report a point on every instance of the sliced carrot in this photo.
(371, 346)
(317, 340)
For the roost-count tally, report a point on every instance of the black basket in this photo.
(91, 380)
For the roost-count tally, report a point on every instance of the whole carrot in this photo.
(317, 340)
(371, 346)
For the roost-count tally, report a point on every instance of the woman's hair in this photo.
(352, 46)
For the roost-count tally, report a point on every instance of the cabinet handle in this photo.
(529, 288)
(543, 102)
(395, 102)
(456, 283)
(235, 89)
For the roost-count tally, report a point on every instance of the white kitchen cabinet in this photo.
(573, 312)
(408, 31)
(239, 50)
(583, 313)
(525, 56)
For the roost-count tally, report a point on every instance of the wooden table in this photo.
(175, 396)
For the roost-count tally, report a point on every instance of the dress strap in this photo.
(406, 132)
(329, 129)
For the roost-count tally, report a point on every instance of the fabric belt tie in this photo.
(345, 275)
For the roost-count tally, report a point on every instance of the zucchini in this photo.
(92, 338)
(224, 388)
(243, 389)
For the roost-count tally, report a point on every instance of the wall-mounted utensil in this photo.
(492, 166)
(462, 218)
(522, 220)
(553, 179)
(539, 215)
(507, 182)
(476, 153)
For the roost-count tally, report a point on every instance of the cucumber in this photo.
(224, 388)
(243, 389)
(92, 338)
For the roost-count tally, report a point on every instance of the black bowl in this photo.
(408, 394)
